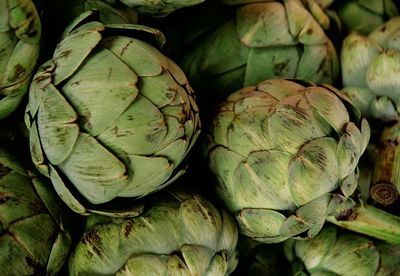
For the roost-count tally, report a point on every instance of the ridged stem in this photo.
(385, 182)
(371, 221)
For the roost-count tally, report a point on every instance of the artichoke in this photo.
(110, 117)
(33, 235)
(370, 71)
(175, 233)
(266, 39)
(341, 253)
(20, 33)
(285, 158)
(363, 16)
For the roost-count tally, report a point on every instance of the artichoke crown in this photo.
(281, 147)
(109, 115)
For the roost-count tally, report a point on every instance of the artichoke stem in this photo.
(371, 221)
(385, 183)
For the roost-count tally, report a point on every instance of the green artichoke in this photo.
(370, 71)
(157, 7)
(263, 40)
(110, 117)
(20, 33)
(33, 235)
(341, 253)
(363, 16)
(285, 158)
(175, 233)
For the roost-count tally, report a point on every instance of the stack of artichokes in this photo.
(199, 137)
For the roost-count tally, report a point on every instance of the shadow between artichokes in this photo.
(285, 157)
(173, 233)
(110, 117)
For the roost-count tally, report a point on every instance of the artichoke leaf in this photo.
(177, 267)
(352, 254)
(102, 78)
(222, 51)
(383, 34)
(175, 151)
(293, 124)
(57, 126)
(218, 265)
(267, 171)
(271, 62)
(140, 130)
(329, 107)
(104, 255)
(197, 257)
(150, 35)
(260, 223)
(35, 235)
(227, 238)
(279, 88)
(323, 69)
(383, 75)
(199, 223)
(312, 251)
(15, 185)
(224, 164)
(253, 19)
(36, 151)
(349, 149)
(383, 107)
(148, 172)
(247, 132)
(141, 57)
(20, 64)
(16, 256)
(145, 265)
(314, 170)
(357, 54)
(71, 52)
(64, 193)
(58, 253)
(303, 25)
(94, 170)
(24, 19)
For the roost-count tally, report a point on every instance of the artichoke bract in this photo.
(342, 253)
(266, 39)
(175, 233)
(370, 71)
(363, 16)
(281, 148)
(34, 239)
(110, 116)
(20, 33)
(157, 7)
